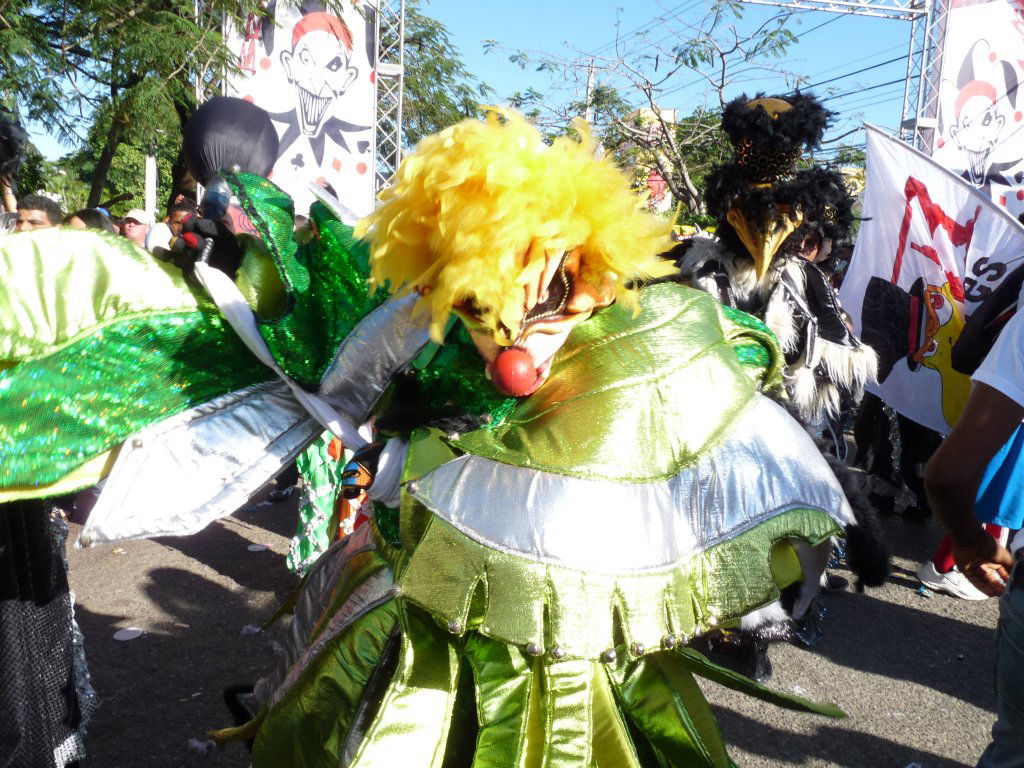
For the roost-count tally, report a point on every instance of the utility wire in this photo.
(892, 96)
(678, 88)
(855, 72)
(860, 59)
(647, 25)
(862, 90)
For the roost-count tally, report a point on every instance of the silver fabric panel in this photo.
(767, 466)
(383, 343)
(316, 592)
(179, 475)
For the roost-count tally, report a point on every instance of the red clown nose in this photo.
(513, 372)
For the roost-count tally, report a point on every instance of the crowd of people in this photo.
(37, 211)
(422, 402)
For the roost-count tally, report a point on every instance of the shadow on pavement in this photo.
(827, 744)
(214, 546)
(900, 642)
(160, 690)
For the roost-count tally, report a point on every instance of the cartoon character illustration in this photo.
(921, 327)
(983, 86)
(318, 65)
(943, 319)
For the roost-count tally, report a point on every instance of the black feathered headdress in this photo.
(761, 185)
(768, 134)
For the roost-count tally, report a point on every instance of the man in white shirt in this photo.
(994, 411)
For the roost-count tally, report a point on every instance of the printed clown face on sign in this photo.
(318, 67)
(977, 126)
(985, 87)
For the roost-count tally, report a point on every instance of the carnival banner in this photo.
(981, 112)
(313, 71)
(931, 248)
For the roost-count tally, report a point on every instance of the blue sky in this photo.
(841, 44)
(830, 46)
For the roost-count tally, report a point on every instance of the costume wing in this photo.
(113, 366)
(97, 342)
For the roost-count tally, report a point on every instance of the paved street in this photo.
(913, 673)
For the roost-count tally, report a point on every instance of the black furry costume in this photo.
(12, 145)
(762, 191)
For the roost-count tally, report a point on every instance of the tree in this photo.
(119, 77)
(439, 90)
(124, 65)
(627, 90)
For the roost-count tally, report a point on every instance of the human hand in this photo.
(984, 562)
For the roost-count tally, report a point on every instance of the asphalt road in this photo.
(914, 674)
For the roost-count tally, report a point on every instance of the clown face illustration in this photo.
(977, 130)
(974, 109)
(318, 67)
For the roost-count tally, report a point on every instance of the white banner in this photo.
(313, 72)
(981, 112)
(931, 249)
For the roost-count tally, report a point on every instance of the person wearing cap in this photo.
(135, 226)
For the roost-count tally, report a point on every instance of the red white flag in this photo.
(931, 249)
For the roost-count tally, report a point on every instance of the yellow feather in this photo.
(476, 209)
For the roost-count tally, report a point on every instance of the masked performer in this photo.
(45, 695)
(776, 225)
(495, 608)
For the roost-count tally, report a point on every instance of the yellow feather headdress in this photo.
(477, 208)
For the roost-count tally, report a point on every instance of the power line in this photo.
(860, 59)
(855, 72)
(894, 96)
(862, 90)
(647, 25)
(819, 26)
(701, 79)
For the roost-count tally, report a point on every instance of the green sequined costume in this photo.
(527, 602)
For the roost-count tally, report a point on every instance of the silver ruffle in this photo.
(178, 476)
(383, 343)
(766, 466)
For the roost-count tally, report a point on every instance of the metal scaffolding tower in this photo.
(927, 18)
(390, 76)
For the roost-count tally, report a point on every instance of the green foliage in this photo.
(34, 173)
(439, 90)
(117, 78)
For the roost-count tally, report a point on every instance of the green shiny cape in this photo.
(437, 649)
(99, 340)
(635, 398)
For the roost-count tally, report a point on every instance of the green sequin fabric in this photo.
(456, 375)
(61, 410)
(756, 347)
(326, 280)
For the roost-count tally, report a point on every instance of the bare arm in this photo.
(10, 203)
(954, 474)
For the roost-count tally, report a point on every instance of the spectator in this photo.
(159, 237)
(961, 466)
(37, 212)
(135, 226)
(178, 213)
(90, 218)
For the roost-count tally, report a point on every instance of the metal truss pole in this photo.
(919, 125)
(919, 119)
(390, 76)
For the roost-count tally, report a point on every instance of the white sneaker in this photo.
(952, 583)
